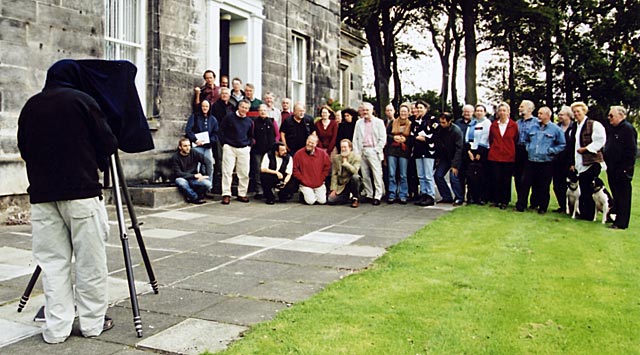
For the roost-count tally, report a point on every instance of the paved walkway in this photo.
(220, 269)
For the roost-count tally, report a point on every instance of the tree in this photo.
(381, 21)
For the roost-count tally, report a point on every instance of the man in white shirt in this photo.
(588, 141)
(276, 170)
(369, 138)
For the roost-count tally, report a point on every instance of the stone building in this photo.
(293, 48)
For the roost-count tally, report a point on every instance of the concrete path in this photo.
(220, 268)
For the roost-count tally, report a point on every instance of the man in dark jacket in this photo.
(191, 183)
(620, 156)
(449, 146)
(265, 131)
(63, 137)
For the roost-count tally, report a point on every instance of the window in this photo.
(298, 69)
(124, 37)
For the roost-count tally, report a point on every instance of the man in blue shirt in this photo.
(544, 140)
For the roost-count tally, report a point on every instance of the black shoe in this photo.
(559, 210)
(613, 226)
(541, 211)
(402, 202)
(518, 209)
(427, 201)
(391, 201)
(457, 203)
(419, 200)
(271, 201)
(257, 196)
(503, 206)
(365, 199)
(197, 201)
(375, 202)
(445, 201)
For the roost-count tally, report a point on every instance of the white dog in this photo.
(573, 194)
(602, 198)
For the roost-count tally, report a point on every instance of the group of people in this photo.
(354, 157)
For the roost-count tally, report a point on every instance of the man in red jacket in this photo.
(310, 167)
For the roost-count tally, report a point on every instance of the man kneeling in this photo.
(191, 183)
(345, 181)
(276, 170)
(310, 167)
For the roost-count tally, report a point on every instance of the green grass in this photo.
(478, 280)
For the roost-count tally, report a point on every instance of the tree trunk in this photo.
(469, 18)
(512, 81)
(397, 84)
(382, 71)
(548, 68)
(455, 105)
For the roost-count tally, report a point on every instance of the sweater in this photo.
(311, 169)
(503, 147)
(237, 131)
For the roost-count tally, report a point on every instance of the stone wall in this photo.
(319, 23)
(35, 34)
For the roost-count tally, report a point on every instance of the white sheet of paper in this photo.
(204, 137)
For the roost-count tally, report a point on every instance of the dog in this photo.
(573, 194)
(602, 199)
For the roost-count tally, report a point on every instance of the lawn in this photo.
(478, 280)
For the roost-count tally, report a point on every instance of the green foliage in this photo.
(588, 51)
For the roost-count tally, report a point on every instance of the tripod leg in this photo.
(27, 291)
(125, 248)
(136, 226)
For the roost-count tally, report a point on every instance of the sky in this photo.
(419, 75)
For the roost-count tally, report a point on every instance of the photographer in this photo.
(63, 137)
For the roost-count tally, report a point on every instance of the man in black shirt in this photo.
(190, 182)
(296, 129)
(620, 156)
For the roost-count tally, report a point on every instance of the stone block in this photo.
(22, 10)
(13, 31)
(68, 19)
(14, 176)
(89, 7)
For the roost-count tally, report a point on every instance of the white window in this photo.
(125, 37)
(298, 69)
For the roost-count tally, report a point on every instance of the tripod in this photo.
(118, 180)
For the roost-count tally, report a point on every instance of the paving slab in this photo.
(283, 291)
(10, 332)
(220, 283)
(358, 250)
(331, 238)
(179, 215)
(194, 336)
(264, 242)
(15, 262)
(220, 269)
(124, 331)
(74, 345)
(285, 256)
(176, 301)
(242, 311)
(233, 251)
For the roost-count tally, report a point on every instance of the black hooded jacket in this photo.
(63, 137)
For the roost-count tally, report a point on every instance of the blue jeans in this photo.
(424, 168)
(441, 171)
(208, 162)
(193, 189)
(394, 163)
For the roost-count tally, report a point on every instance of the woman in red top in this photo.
(503, 136)
(327, 129)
